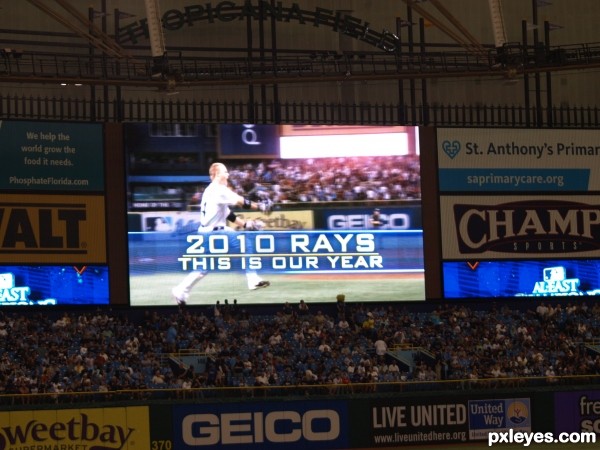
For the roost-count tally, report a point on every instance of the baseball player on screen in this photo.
(214, 215)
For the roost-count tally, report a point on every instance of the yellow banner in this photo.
(55, 229)
(282, 220)
(124, 428)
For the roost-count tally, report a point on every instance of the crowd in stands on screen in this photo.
(330, 179)
(303, 309)
(109, 351)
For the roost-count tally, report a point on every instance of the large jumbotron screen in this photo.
(325, 183)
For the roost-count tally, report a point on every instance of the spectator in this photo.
(37, 355)
(158, 378)
(341, 305)
(368, 325)
(380, 347)
(302, 309)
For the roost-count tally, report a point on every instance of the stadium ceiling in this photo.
(113, 64)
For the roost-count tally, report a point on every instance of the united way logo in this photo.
(517, 413)
(498, 415)
(451, 148)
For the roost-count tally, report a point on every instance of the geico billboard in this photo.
(52, 229)
(264, 426)
(392, 218)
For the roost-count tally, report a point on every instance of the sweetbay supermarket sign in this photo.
(99, 428)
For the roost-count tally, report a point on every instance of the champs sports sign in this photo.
(521, 228)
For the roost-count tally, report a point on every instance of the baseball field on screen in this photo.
(155, 289)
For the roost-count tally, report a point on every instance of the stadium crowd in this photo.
(103, 351)
(331, 179)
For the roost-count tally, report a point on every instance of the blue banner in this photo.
(558, 278)
(391, 218)
(245, 141)
(577, 411)
(514, 180)
(53, 285)
(302, 252)
(299, 264)
(266, 425)
(498, 415)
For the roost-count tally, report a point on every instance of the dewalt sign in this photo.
(52, 229)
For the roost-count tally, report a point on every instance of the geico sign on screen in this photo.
(398, 221)
(257, 427)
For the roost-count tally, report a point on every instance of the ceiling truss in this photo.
(114, 65)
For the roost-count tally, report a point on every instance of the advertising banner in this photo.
(98, 428)
(247, 141)
(522, 278)
(520, 227)
(391, 218)
(265, 425)
(409, 421)
(498, 415)
(577, 411)
(518, 160)
(51, 156)
(54, 229)
(53, 285)
(189, 221)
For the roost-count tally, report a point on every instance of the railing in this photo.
(181, 110)
(194, 66)
(16, 401)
